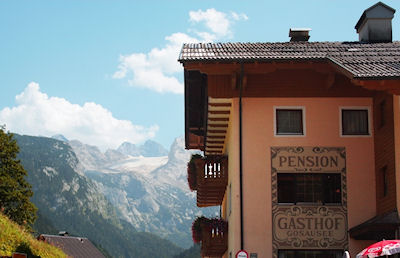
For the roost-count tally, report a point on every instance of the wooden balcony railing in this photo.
(213, 235)
(209, 177)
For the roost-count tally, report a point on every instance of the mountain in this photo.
(67, 200)
(192, 252)
(91, 157)
(151, 193)
(148, 149)
(60, 137)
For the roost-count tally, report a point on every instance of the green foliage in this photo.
(14, 238)
(192, 252)
(44, 225)
(15, 191)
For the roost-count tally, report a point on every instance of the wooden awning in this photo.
(379, 227)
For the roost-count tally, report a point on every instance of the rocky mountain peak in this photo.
(148, 149)
(177, 151)
(128, 148)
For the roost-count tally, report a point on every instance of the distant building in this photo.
(76, 247)
(301, 141)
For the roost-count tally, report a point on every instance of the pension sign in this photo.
(308, 159)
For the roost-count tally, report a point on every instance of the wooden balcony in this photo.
(213, 235)
(214, 243)
(212, 179)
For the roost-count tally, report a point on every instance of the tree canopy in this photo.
(15, 191)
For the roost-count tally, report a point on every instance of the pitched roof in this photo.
(73, 246)
(362, 60)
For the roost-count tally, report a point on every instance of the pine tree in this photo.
(15, 191)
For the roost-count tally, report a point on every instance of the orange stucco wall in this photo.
(232, 148)
(322, 122)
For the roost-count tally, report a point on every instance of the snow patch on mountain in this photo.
(143, 165)
(50, 172)
(148, 149)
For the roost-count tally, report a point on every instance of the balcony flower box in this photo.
(213, 235)
(193, 168)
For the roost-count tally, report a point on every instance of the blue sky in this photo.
(105, 72)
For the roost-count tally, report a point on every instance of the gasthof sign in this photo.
(316, 227)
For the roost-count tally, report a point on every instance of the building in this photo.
(301, 140)
(76, 247)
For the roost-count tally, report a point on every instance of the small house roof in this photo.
(73, 246)
(365, 14)
(362, 60)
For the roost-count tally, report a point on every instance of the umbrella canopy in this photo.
(385, 247)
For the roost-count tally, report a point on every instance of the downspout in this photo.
(241, 156)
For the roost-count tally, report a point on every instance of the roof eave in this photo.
(376, 78)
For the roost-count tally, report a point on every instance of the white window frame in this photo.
(302, 108)
(368, 108)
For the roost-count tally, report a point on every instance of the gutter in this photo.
(241, 156)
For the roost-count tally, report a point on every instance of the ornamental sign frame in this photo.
(308, 226)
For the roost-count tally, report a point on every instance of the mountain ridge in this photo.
(152, 193)
(72, 202)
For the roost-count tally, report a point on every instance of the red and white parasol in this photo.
(385, 247)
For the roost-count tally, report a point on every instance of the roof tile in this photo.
(361, 59)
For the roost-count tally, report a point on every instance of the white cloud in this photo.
(217, 22)
(38, 114)
(239, 16)
(158, 70)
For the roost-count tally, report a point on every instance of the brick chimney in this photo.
(375, 24)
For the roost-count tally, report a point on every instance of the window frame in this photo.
(303, 118)
(369, 122)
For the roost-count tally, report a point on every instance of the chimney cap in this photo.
(299, 34)
(368, 14)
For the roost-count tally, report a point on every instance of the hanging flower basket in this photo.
(205, 229)
(197, 228)
(192, 171)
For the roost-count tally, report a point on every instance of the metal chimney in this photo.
(375, 24)
(299, 34)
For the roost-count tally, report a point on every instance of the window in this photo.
(355, 122)
(289, 121)
(309, 188)
(310, 253)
